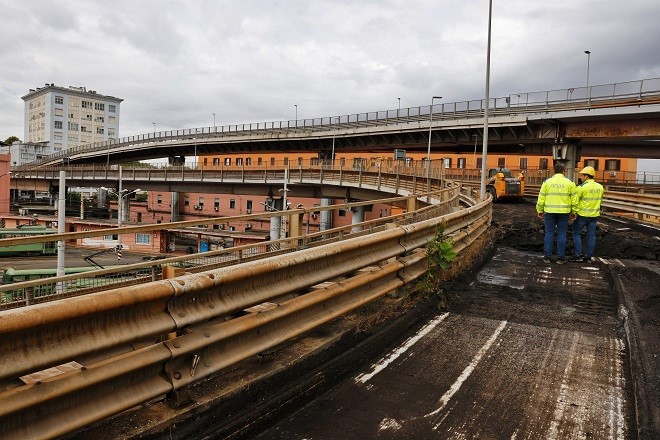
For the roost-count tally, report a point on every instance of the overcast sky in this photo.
(178, 62)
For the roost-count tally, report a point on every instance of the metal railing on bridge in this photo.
(625, 93)
(86, 352)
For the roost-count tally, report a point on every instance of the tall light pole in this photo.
(334, 129)
(484, 154)
(213, 121)
(399, 110)
(296, 106)
(588, 60)
(428, 152)
(195, 139)
(154, 127)
(474, 156)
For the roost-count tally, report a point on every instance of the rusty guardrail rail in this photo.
(638, 204)
(32, 292)
(109, 351)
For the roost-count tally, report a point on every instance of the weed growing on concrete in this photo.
(439, 255)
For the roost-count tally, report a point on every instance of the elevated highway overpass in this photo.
(621, 120)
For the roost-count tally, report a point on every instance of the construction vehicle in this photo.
(504, 186)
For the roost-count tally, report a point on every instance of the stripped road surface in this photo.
(533, 350)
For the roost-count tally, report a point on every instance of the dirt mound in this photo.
(517, 226)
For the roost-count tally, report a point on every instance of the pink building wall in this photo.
(5, 160)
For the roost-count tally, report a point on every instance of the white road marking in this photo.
(383, 363)
(562, 398)
(466, 373)
(387, 423)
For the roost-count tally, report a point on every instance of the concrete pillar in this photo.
(174, 206)
(567, 153)
(357, 217)
(102, 195)
(124, 209)
(326, 216)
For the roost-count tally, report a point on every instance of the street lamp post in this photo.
(474, 156)
(588, 60)
(296, 106)
(213, 121)
(334, 130)
(428, 152)
(484, 154)
(399, 109)
(154, 127)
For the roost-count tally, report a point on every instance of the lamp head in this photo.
(587, 52)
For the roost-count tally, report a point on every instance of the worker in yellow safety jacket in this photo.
(554, 206)
(588, 199)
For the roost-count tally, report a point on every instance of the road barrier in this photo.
(83, 359)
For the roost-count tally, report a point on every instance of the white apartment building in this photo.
(65, 117)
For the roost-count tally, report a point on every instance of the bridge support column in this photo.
(326, 216)
(174, 206)
(358, 217)
(102, 196)
(568, 154)
(125, 206)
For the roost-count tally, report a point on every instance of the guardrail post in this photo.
(29, 296)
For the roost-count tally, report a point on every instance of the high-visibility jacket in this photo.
(588, 198)
(556, 195)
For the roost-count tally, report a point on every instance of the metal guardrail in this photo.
(638, 204)
(571, 98)
(109, 351)
(52, 288)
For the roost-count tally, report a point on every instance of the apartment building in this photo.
(65, 117)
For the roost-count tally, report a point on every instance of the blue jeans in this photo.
(578, 226)
(560, 222)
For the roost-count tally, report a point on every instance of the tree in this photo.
(11, 139)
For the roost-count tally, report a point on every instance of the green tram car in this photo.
(28, 249)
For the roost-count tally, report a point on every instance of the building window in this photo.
(73, 126)
(227, 160)
(111, 119)
(286, 161)
(201, 202)
(523, 163)
(216, 204)
(272, 161)
(342, 213)
(142, 238)
(110, 237)
(206, 161)
(248, 204)
(86, 104)
(111, 132)
(300, 161)
(100, 119)
(216, 161)
(59, 100)
(99, 106)
(58, 125)
(314, 161)
(239, 161)
(232, 203)
(99, 130)
(111, 108)
(612, 164)
(83, 128)
(248, 161)
(501, 162)
(59, 112)
(461, 164)
(186, 201)
(543, 164)
(259, 161)
(591, 163)
(159, 198)
(447, 162)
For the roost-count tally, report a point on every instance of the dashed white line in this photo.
(466, 373)
(383, 363)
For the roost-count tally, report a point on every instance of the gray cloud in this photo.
(175, 63)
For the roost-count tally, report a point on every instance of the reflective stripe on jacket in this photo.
(556, 195)
(588, 198)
